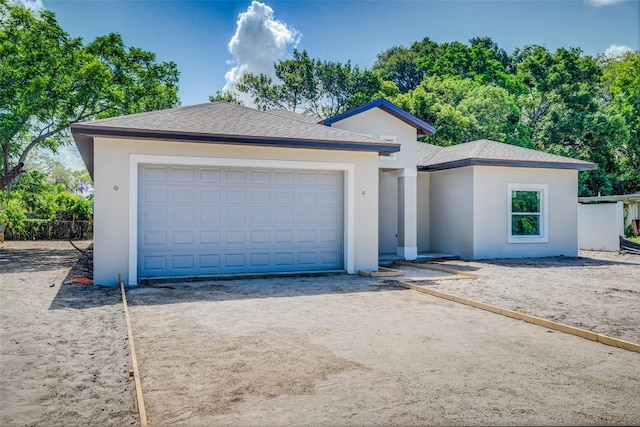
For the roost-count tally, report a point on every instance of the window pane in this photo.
(525, 201)
(525, 225)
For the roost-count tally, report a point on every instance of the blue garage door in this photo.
(195, 221)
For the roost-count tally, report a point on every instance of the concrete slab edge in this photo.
(382, 272)
(435, 268)
(601, 338)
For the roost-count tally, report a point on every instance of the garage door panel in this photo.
(260, 177)
(205, 221)
(182, 262)
(154, 216)
(235, 176)
(182, 238)
(151, 174)
(209, 261)
(209, 216)
(209, 237)
(209, 175)
(209, 196)
(284, 178)
(155, 195)
(155, 238)
(183, 175)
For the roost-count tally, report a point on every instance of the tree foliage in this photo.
(308, 85)
(49, 80)
(561, 102)
(39, 198)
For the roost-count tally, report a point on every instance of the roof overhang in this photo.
(83, 134)
(508, 163)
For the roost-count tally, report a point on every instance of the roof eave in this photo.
(508, 163)
(89, 130)
(634, 197)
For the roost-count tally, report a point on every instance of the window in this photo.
(527, 213)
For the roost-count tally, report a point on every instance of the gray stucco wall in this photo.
(424, 235)
(451, 211)
(388, 212)
(491, 219)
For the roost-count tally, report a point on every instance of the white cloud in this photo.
(259, 41)
(615, 51)
(599, 3)
(33, 5)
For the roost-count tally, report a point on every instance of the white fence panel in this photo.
(599, 226)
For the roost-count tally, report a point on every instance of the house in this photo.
(219, 188)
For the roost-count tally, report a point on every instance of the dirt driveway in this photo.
(331, 350)
(339, 350)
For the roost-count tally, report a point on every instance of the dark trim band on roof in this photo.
(423, 127)
(382, 148)
(508, 163)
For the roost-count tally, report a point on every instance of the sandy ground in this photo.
(64, 357)
(328, 350)
(597, 291)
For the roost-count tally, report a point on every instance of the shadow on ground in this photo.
(559, 261)
(255, 288)
(83, 296)
(29, 260)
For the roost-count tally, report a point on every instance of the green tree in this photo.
(35, 195)
(462, 110)
(226, 96)
(49, 80)
(403, 66)
(307, 85)
(621, 79)
(399, 65)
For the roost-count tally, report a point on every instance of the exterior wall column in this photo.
(408, 214)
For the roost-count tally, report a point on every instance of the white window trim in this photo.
(389, 138)
(543, 237)
(135, 160)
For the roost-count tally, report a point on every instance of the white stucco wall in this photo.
(113, 158)
(599, 226)
(451, 211)
(491, 219)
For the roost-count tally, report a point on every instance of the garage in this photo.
(211, 220)
(222, 189)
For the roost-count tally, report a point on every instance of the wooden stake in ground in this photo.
(134, 359)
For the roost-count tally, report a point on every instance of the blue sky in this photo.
(197, 34)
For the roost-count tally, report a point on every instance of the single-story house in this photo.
(217, 188)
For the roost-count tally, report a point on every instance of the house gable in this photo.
(423, 128)
(379, 124)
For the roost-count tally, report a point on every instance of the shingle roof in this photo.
(296, 116)
(224, 119)
(492, 153)
(421, 126)
(225, 123)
